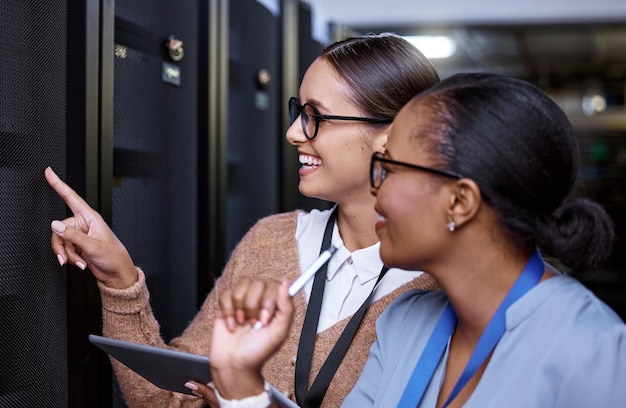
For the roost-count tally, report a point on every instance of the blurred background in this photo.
(169, 118)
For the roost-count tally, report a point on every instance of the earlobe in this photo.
(464, 202)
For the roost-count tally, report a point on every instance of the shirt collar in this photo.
(365, 262)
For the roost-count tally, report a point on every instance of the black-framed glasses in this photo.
(310, 117)
(378, 172)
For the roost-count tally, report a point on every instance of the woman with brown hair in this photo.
(347, 100)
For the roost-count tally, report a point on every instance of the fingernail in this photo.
(60, 259)
(191, 386)
(58, 226)
(230, 323)
(265, 316)
(81, 265)
(240, 316)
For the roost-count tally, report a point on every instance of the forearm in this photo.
(127, 315)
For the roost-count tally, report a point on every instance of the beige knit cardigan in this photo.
(268, 251)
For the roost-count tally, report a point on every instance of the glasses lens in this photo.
(309, 121)
(376, 170)
(294, 109)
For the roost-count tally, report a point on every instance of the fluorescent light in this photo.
(437, 46)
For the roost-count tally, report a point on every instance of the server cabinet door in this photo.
(33, 304)
(254, 136)
(155, 142)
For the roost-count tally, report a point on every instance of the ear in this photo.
(380, 140)
(465, 201)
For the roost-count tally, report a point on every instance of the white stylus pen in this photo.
(324, 257)
(297, 285)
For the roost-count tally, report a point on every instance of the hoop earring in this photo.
(451, 225)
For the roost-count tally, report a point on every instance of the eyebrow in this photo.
(318, 104)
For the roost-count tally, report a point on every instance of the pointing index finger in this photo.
(71, 198)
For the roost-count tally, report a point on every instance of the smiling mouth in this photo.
(309, 161)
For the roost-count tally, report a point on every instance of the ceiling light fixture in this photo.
(437, 46)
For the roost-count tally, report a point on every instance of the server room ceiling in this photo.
(572, 47)
(545, 40)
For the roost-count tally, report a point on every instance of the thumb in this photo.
(71, 234)
(63, 233)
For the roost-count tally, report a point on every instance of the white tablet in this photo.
(167, 369)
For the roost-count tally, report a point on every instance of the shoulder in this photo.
(414, 308)
(277, 221)
(581, 325)
(570, 304)
(269, 243)
(580, 312)
(273, 229)
(588, 329)
(291, 220)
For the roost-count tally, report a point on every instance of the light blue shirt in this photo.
(563, 347)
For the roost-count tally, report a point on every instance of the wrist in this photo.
(237, 384)
(123, 280)
(260, 400)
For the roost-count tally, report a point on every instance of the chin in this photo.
(307, 192)
(387, 257)
(392, 260)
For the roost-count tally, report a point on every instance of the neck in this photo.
(356, 225)
(477, 287)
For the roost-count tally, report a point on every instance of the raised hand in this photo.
(86, 240)
(248, 301)
(238, 355)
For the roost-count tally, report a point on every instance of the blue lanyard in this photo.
(436, 345)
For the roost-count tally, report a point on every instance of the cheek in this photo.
(350, 161)
(415, 228)
(398, 237)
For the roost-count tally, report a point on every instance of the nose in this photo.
(295, 134)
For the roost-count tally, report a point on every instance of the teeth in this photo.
(309, 160)
(381, 218)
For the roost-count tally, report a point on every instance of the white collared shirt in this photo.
(351, 275)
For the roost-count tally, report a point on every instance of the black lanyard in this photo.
(309, 332)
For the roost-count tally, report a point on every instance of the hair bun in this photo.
(581, 235)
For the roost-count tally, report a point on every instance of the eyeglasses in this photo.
(378, 172)
(311, 117)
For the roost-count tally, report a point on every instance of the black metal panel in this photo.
(212, 141)
(155, 142)
(32, 135)
(254, 135)
(88, 111)
(155, 152)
